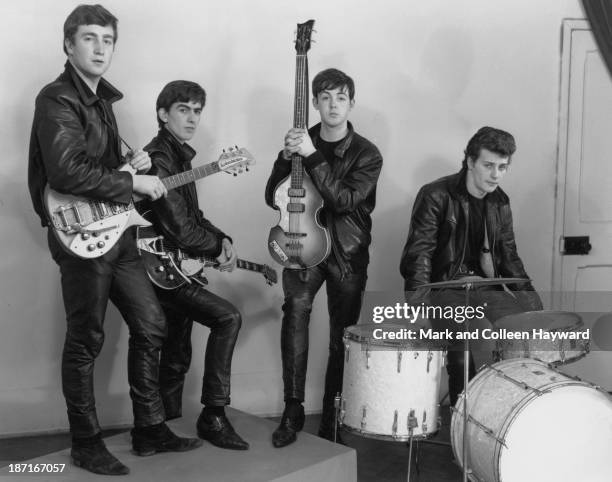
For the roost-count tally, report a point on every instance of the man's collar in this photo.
(458, 189)
(315, 133)
(185, 151)
(105, 90)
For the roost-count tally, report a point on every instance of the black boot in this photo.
(91, 454)
(291, 423)
(159, 438)
(215, 427)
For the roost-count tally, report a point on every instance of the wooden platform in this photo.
(310, 459)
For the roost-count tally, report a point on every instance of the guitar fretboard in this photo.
(172, 182)
(300, 114)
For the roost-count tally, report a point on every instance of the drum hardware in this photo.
(367, 355)
(394, 428)
(399, 362)
(337, 415)
(429, 358)
(412, 424)
(363, 418)
(468, 283)
(346, 351)
(518, 383)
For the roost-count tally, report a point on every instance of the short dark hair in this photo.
(88, 15)
(494, 140)
(179, 91)
(329, 79)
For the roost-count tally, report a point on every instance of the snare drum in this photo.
(389, 385)
(556, 352)
(529, 422)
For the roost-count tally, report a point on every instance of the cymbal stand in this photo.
(466, 376)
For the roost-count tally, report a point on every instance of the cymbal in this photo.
(473, 281)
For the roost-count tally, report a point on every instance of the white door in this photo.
(583, 283)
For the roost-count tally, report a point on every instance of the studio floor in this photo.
(377, 461)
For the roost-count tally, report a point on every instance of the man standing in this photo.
(461, 226)
(75, 149)
(344, 167)
(179, 219)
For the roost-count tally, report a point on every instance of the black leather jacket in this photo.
(437, 237)
(178, 215)
(69, 143)
(348, 187)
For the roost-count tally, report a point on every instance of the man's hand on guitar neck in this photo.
(297, 141)
(227, 258)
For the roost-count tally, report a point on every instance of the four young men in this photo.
(75, 149)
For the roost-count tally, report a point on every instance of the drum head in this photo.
(545, 319)
(563, 435)
(390, 335)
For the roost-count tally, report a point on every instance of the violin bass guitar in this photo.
(299, 240)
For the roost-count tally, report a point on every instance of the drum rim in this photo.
(578, 323)
(408, 345)
(388, 438)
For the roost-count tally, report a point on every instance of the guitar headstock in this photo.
(302, 40)
(270, 275)
(235, 160)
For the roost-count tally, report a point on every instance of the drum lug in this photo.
(429, 358)
(439, 421)
(416, 355)
(424, 422)
(399, 362)
(411, 422)
(367, 354)
(342, 410)
(394, 427)
(363, 418)
(346, 352)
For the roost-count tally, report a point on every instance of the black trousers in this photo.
(184, 305)
(495, 303)
(344, 298)
(87, 285)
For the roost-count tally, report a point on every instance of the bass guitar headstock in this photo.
(302, 39)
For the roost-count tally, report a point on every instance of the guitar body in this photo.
(162, 271)
(88, 229)
(303, 242)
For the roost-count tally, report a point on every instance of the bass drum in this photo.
(390, 386)
(529, 422)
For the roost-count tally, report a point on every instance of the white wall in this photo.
(428, 74)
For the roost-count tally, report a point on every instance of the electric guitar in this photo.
(170, 267)
(89, 228)
(299, 240)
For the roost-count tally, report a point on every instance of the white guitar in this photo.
(89, 228)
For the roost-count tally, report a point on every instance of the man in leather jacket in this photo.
(461, 225)
(179, 219)
(344, 168)
(74, 148)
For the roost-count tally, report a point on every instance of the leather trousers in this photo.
(344, 299)
(184, 305)
(495, 303)
(87, 285)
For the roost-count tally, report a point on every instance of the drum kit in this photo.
(519, 419)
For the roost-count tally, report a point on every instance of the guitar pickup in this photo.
(295, 235)
(296, 192)
(296, 207)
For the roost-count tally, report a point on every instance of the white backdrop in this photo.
(427, 73)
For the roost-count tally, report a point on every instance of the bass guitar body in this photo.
(299, 240)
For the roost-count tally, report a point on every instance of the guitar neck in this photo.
(178, 180)
(300, 114)
(240, 263)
